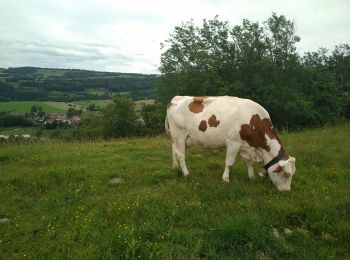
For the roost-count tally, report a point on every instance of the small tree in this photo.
(36, 109)
(153, 118)
(93, 107)
(73, 112)
(119, 118)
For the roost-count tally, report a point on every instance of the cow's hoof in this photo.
(225, 179)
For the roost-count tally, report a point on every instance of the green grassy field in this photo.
(25, 106)
(33, 131)
(61, 204)
(86, 103)
(18, 130)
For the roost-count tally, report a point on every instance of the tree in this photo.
(92, 125)
(7, 92)
(153, 117)
(73, 112)
(196, 60)
(119, 118)
(215, 59)
(93, 107)
(36, 109)
(282, 40)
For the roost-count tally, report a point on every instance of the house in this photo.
(75, 120)
(57, 117)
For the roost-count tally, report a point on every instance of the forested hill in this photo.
(30, 83)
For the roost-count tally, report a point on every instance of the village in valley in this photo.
(41, 120)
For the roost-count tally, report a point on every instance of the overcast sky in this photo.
(125, 36)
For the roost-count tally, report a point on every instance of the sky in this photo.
(125, 36)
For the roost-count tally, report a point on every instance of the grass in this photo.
(46, 133)
(61, 204)
(59, 106)
(25, 106)
(86, 103)
(18, 130)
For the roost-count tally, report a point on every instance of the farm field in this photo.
(25, 106)
(57, 201)
(86, 103)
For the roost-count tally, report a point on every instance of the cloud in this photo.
(126, 35)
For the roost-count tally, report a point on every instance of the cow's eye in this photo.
(286, 174)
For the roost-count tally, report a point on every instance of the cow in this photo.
(240, 125)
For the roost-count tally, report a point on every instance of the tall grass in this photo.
(61, 204)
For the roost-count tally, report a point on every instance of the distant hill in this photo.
(43, 84)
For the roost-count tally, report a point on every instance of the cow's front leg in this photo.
(231, 153)
(250, 169)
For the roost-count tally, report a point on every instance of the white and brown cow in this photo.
(241, 125)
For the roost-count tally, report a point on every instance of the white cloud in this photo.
(115, 35)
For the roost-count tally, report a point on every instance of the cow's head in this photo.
(281, 173)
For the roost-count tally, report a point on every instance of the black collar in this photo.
(275, 160)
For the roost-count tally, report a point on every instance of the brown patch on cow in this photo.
(278, 168)
(203, 126)
(213, 122)
(254, 132)
(196, 106)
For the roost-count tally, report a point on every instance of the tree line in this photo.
(258, 61)
(27, 83)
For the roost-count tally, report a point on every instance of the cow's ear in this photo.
(291, 159)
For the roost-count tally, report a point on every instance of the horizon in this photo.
(102, 71)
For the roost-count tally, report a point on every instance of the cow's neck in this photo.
(275, 148)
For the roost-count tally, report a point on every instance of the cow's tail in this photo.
(167, 127)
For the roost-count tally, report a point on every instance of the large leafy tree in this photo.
(197, 60)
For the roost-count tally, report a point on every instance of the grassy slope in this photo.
(61, 204)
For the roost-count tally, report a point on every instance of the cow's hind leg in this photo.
(180, 149)
(231, 153)
(175, 160)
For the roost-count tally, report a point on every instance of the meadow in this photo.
(25, 106)
(57, 201)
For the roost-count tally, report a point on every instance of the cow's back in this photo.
(210, 121)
